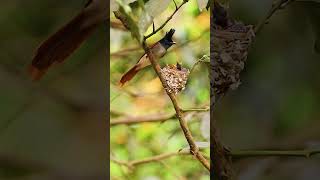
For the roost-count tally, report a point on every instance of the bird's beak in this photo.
(174, 42)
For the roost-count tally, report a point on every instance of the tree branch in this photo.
(195, 110)
(132, 164)
(141, 119)
(258, 153)
(157, 158)
(278, 4)
(221, 162)
(179, 114)
(129, 120)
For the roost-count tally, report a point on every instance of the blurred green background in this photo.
(55, 128)
(277, 104)
(144, 95)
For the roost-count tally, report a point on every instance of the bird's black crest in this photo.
(169, 34)
(167, 41)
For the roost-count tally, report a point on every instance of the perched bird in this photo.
(159, 49)
(67, 39)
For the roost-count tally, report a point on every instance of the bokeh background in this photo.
(55, 128)
(277, 104)
(144, 96)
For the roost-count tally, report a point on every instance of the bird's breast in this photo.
(158, 50)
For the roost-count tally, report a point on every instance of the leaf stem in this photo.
(278, 4)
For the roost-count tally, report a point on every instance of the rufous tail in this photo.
(129, 75)
(59, 46)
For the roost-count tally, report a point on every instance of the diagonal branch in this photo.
(179, 113)
(277, 4)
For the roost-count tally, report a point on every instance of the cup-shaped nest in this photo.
(176, 77)
(230, 50)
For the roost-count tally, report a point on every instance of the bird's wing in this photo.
(143, 62)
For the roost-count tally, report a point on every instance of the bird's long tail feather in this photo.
(59, 46)
(129, 75)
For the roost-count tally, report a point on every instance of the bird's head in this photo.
(167, 41)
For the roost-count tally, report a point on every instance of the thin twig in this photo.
(179, 114)
(22, 109)
(165, 23)
(129, 120)
(258, 153)
(157, 158)
(142, 119)
(195, 109)
(171, 169)
(120, 162)
(203, 59)
(221, 162)
(278, 4)
(175, 4)
(132, 164)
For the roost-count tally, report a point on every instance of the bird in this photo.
(159, 49)
(60, 45)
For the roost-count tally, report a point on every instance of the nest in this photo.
(230, 50)
(176, 77)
